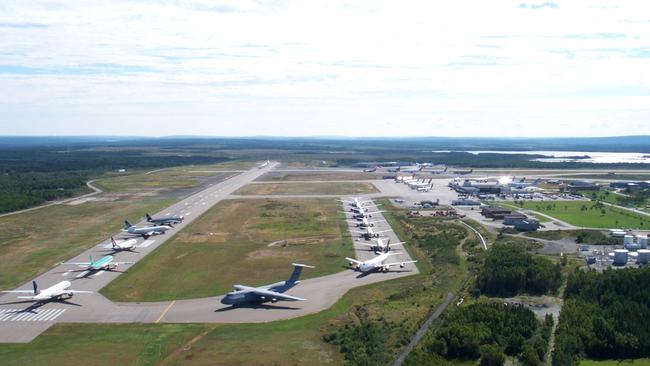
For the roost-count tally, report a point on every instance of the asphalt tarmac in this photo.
(21, 322)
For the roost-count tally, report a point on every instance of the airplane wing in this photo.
(20, 291)
(353, 260)
(366, 244)
(381, 231)
(80, 264)
(119, 263)
(388, 265)
(79, 292)
(276, 295)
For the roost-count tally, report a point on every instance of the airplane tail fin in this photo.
(297, 269)
(148, 217)
(90, 259)
(127, 224)
(35, 286)
(471, 171)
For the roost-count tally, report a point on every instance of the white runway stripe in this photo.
(82, 274)
(56, 315)
(20, 316)
(65, 273)
(4, 313)
(99, 273)
(8, 314)
(31, 316)
(42, 314)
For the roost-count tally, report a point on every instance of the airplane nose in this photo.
(226, 300)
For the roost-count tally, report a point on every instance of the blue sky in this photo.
(361, 68)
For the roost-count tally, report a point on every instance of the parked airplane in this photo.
(272, 293)
(463, 172)
(370, 170)
(145, 232)
(370, 233)
(376, 264)
(104, 263)
(360, 213)
(60, 291)
(437, 171)
(129, 244)
(166, 220)
(364, 222)
(380, 245)
(410, 169)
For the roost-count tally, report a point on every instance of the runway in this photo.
(21, 324)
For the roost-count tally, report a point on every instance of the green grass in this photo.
(573, 212)
(637, 362)
(337, 188)
(32, 242)
(404, 302)
(229, 244)
(275, 176)
(101, 344)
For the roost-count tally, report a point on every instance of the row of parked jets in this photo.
(361, 216)
(62, 291)
(242, 294)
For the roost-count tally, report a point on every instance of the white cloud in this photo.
(232, 67)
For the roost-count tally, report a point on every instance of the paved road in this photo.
(19, 325)
(417, 337)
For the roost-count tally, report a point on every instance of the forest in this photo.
(510, 270)
(605, 316)
(489, 332)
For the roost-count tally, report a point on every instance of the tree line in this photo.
(605, 316)
(510, 270)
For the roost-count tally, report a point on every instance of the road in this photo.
(18, 325)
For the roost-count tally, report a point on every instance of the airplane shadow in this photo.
(34, 306)
(255, 306)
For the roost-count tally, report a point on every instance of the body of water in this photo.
(575, 156)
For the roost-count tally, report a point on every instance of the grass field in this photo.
(338, 188)
(160, 181)
(590, 214)
(403, 303)
(101, 344)
(240, 241)
(33, 241)
(316, 176)
(637, 362)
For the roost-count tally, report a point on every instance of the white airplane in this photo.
(380, 245)
(145, 232)
(129, 244)
(357, 203)
(370, 233)
(364, 222)
(377, 263)
(60, 291)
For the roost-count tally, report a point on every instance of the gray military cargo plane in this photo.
(166, 220)
(262, 294)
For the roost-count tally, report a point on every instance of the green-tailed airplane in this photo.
(104, 263)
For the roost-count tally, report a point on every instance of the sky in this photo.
(325, 68)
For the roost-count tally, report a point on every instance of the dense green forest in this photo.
(509, 270)
(605, 316)
(489, 331)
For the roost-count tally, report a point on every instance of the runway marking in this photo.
(147, 243)
(99, 273)
(42, 315)
(56, 315)
(21, 316)
(82, 274)
(165, 311)
(66, 273)
(3, 313)
(187, 214)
